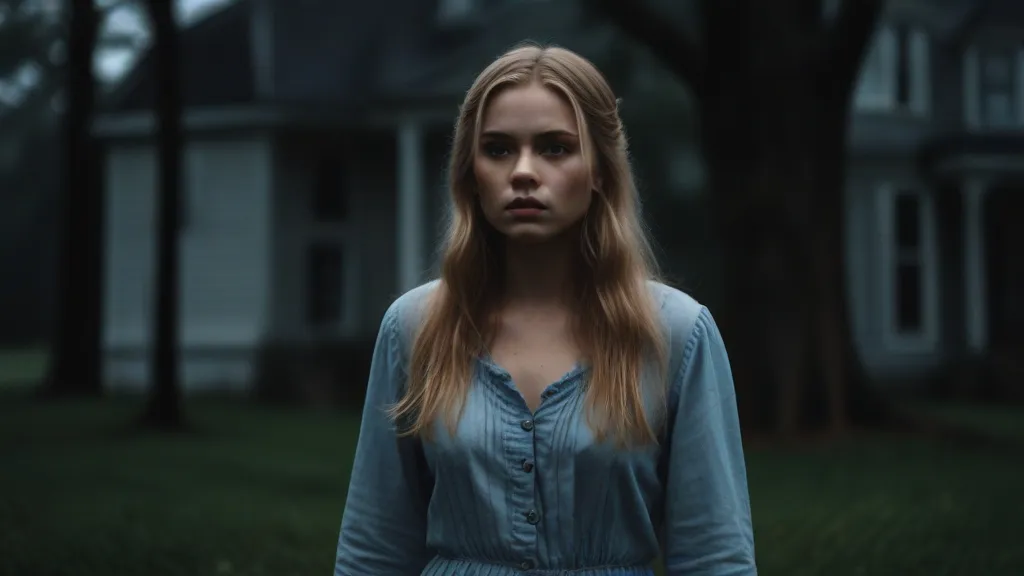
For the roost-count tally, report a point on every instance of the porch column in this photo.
(410, 206)
(975, 296)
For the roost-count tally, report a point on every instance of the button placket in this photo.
(531, 515)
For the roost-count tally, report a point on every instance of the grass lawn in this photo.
(21, 367)
(260, 492)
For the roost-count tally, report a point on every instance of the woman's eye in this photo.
(556, 150)
(495, 150)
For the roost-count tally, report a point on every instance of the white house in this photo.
(314, 179)
(935, 195)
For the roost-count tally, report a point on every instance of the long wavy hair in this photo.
(616, 322)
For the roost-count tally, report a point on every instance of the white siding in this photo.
(224, 259)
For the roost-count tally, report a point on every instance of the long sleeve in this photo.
(383, 529)
(708, 528)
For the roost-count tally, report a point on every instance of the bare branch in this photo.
(669, 43)
(844, 42)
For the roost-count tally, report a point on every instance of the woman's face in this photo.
(531, 177)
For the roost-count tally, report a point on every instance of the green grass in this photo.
(259, 492)
(21, 367)
(1005, 421)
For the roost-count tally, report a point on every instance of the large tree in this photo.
(164, 409)
(75, 359)
(58, 44)
(773, 83)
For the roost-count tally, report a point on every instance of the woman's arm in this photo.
(708, 528)
(383, 529)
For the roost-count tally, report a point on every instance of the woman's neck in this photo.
(540, 274)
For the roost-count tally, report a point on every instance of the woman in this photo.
(546, 407)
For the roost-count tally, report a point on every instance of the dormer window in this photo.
(997, 89)
(994, 86)
(896, 74)
(904, 66)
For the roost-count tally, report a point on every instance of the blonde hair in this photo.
(617, 325)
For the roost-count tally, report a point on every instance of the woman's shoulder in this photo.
(405, 313)
(680, 315)
(677, 310)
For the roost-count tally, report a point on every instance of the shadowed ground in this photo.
(260, 492)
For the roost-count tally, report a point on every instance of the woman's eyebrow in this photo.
(497, 134)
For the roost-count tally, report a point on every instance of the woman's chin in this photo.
(529, 234)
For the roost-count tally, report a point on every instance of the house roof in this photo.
(555, 23)
(216, 65)
(410, 65)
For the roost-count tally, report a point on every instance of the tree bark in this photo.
(164, 409)
(841, 46)
(773, 87)
(75, 362)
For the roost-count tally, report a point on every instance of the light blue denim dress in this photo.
(514, 492)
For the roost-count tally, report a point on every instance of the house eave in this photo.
(1006, 164)
(994, 152)
(143, 123)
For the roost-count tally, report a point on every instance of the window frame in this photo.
(893, 255)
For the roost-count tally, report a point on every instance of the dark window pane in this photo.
(324, 283)
(903, 64)
(908, 221)
(329, 203)
(908, 297)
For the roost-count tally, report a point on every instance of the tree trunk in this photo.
(848, 396)
(773, 82)
(776, 144)
(839, 364)
(164, 410)
(75, 362)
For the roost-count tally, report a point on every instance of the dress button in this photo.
(532, 517)
(527, 425)
(527, 466)
(526, 565)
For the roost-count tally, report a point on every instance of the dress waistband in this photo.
(440, 566)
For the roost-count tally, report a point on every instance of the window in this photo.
(896, 73)
(325, 284)
(329, 202)
(873, 82)
(907, 269)
(903, 66)
(907, 230)
(997, 89)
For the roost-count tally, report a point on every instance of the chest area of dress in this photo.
(498, 436)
